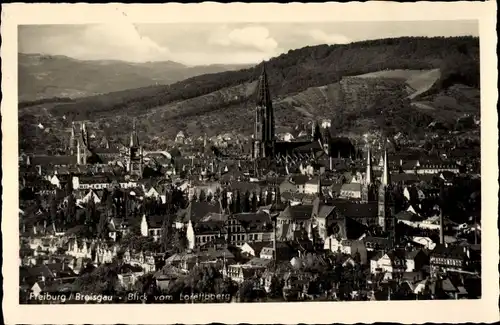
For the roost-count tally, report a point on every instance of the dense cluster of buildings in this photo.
(268, 214)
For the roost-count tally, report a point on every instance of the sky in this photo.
(211, 43)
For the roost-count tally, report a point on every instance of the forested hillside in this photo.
(435, 72)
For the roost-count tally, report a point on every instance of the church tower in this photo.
(384, 197)
(263, 142)
(134, 166)
(72, 140)
(82, 146)
(367, 184)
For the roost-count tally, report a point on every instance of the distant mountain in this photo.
(46, 76)
(398, 85)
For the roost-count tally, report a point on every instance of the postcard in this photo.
(250, 163)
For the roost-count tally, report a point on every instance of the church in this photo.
(265, 145)
(86, 154)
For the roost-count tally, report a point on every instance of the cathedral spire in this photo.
(85, 135)
(386, 175)
(264, 119)
(263, 94)
(369, 171)
(134, 139)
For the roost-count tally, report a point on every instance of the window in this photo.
(250, 237)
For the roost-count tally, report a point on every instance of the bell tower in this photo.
(263, 141)
(367, 183)
(82, 145)
(134, 166)
(384, 198)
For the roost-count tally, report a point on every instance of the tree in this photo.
(71, 210)
(269, 197)
(262, 199)
(246, 292)
(166, 233)
(53, 210)
(217, 194)
(224, 199)
(237, 202)
(254, 202)
(246, 202)
(180, 242)
(102, 227)
(203, 196)
(69, 186)
(276, 287)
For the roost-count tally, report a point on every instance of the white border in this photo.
(484, 310)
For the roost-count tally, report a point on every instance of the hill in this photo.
(47, 76)
(389, 84)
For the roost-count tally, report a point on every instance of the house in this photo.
(293, 221)
(184, 261)
(128, 275)
(95, 182)
(453, 258)
(295, 183)
(151, 226)
(250, 226)
(397, 262)
(241, 272)
(90, 196)
(205, 232)
(377, 243)
(167, 275)
(284, 252)
(350, 191)
(145, 261)
(312, 186)
(390, 262)
(195, 212)
(364, 213)
(323, 216)
(79, 248)
(180, 138)
(105, 254)
(117, 228)
(152, 193)
(252, 248)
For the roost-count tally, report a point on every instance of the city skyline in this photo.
(215, 43)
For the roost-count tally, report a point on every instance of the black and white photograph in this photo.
(237, 162)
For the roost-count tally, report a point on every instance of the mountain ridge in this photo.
(43, 76)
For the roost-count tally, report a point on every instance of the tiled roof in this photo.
(254, 221)
(155, 221)
(209, 227)
(450, 251)
(53, 160)
(297, 212)
(357, 210)
(197, 210)
(354, 187)
(407, 216)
